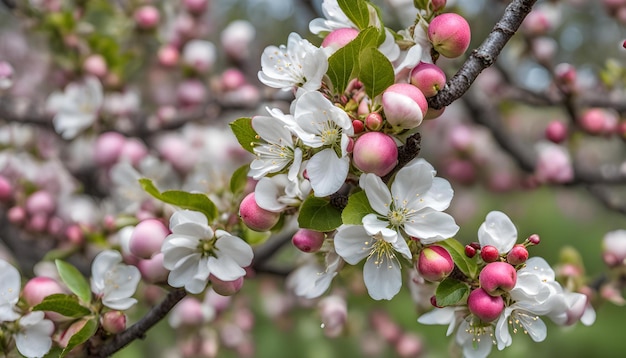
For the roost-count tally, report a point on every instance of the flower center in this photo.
(480, 330)
(382, 252)
(207, 247)
(520, 320)
(330, 133)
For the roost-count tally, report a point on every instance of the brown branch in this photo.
(139, 329)
(485, 55)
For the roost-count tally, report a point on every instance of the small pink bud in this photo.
(199, 55)
(308, 240)
(556, 131)
(226, 288)
(404, 105)
(517, 255)
(375, 152)
(534, 239)
(598, 121)
(16, 215)
(6, 75)
(189, 312)
(334, 314)
(254, 217)
(152, 269)
(113, 322)
(38, 288)
(232, 79)
(536, 23)
(74, 234)
(40, 202)
(147, 238)
(489, 253)
(196, 6)
(409, 345)
(374, 121)
(435, 263)
(6, 189)
(461, 137)
(337, 39)
(450, 34)
(108, 148)
(433, 301)
(460, 170)
(134, 150)
(96, 65)
(497, 278)
(364, 107)
(429, 78)
(565, 75)
(38, 222)
(485, 306)
(147, 17)
(358, 126)
(437, 5)
(470, 251)
(168, 56)
(191, 92)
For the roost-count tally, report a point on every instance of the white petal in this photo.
(374, 226)
(498, 231)
(124, 282)
(439, 196)
(120, 304)
(268, 190)
(10, 282)
(327, 172)
(187, 216)
(35, 339)
(383, 279)
(233, 247)
(101, 264)
(430, 226)
(185, 270)
(402, 247)
(413, 180)
(535, 327)
(377, 192)
(353, 243)
(226, 268)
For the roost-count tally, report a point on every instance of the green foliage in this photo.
(343, 65)
(239, 179)
(358, 206)
(255, 237)
(468, 266)
(319, 215)
(357, 11)
(67, 305)
(450, 292)
(375, 71)
(246, 136)
(74, 280)
(80, 337)
(192, 201)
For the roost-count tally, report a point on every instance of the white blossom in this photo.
(193, 251)
(413, 205)
(77, 107)
(498, 231)
(312, 279)
(278, 192)
(113, 281)
(10, 285)
(299, 64)
(35, 336)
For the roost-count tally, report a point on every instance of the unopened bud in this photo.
(485, 306)
(556, 131)
(337, 39)
(435, 263)
(450, 34)
(497, 278)
(375, 152)
(374, 121)
(489, 253)
(113, 322)
(307, 240)
(226, 288)
(96, 65)
(334, 313)
(517, 255)
(255, 217)
(147, 238)
(108, 148)
(404, 105)
(147, 17)
(429, 78)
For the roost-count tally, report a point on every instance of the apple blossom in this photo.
(6, 75)
(199, 55)
(10, 282)
(112, 281)
(434, 263)
(308, 240)
(147, 238)
(375, 152)
(147, 17)
(77, 107)
(236, 39)
(404, 105)
(255, 217)
(429, 78)
(35, 336)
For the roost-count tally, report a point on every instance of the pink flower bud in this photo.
(358, 126)
(16, 215)
(553, 164)
(404, 105)
(374, 121)
(556, 131)
(517, 255)
(6, 189)
(147, 238)
(6, 75)
(196, 6)
(450, 34)
(134, 150)
(470, 251)
(147, 17)
(152, 269)
(429, 78)
(409, 345)
(40, 202)
(536, 23)
(190, 312)
(497, 278)
(461, 170)
(308, 240)
(437, 5)
(113, 322)
(375, 152)
(485, 306)
(168, 56)
(38, 288)
(489, 253)
(74, 234)
(334, 314)
(191, 92)
(598, 121)
(96, 65)
(108, 148)
(534, 239)
(254, 217)
(232, 79)
(199, 55)
(614, 248)
(226, 288)
(565, 76)
(337, 39)
(178, 152)
(435, 263)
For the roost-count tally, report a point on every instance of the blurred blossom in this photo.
(236, 39)
(614, 248)
(554, 164)
(199, 55)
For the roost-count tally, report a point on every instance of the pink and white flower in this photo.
(113, 281)
(77, 107)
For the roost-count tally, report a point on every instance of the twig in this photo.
(485, 55)
(139, 329)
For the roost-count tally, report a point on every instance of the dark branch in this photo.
(139, 329)
(485, 55)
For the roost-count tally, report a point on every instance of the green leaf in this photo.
(357, 11)
(450, 292)
(192, 201)
(239, 179)
(66, 305)
(468, 266)
(375, 71)
(80, 337)
(246, 136)
(343, 65)
(74, 280)
(255, 237)
(319, 215)
(358, 206)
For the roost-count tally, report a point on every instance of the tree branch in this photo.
(139, 329)
(485, 55)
